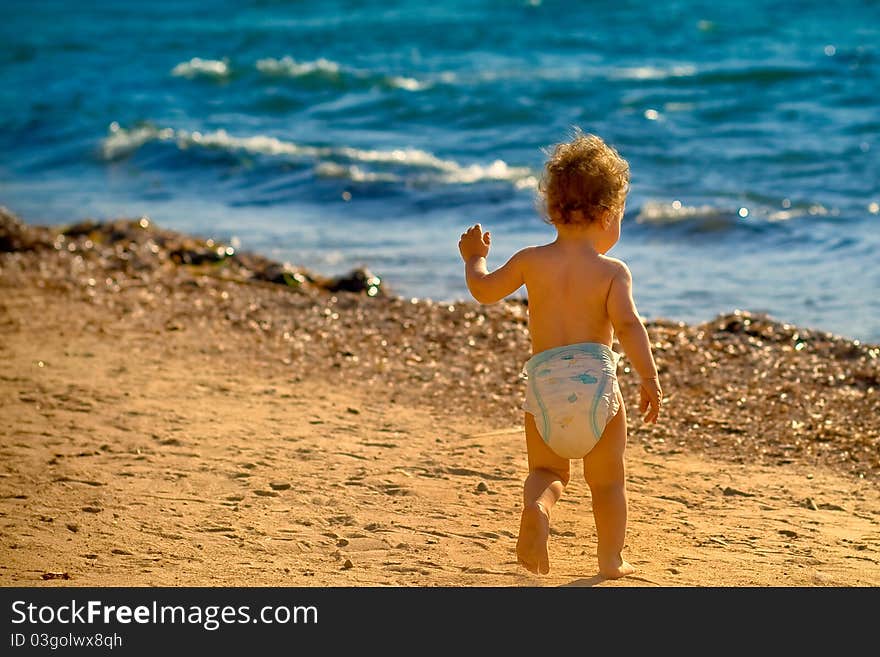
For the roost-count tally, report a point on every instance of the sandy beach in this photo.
(176, 413)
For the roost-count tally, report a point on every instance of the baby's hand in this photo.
(651, 398)
(474, 242)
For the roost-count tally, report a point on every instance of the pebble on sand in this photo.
(733, 491)
(55, 575)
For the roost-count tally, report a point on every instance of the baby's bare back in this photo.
(568, 287)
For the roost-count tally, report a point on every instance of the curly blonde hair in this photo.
(583, 174)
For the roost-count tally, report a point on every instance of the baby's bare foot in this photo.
(617, 571)
(531, 547)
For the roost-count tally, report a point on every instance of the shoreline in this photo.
(168, 410)
(446, 294)
(138, 262)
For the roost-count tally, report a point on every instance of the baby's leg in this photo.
(605, 473)
(548, 475)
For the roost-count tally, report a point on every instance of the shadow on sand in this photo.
(585, 581)
(598, 579)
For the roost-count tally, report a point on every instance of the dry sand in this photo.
(166, 424)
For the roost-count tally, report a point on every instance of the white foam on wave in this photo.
(413, 157)
(498, 170)
(659, 212)
(785, 215)
(353, 173)
(563, 72)
(813, 210)
(653, 72)
(288, 66)
(663, 212)
(450, 171)
(121, 142)
(197, 66)
(408, 84)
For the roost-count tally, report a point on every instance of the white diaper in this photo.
(572, 392)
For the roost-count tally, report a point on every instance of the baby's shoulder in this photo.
(614, 266)
(550, 250)
(526, 255)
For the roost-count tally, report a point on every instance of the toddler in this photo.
(579, 300)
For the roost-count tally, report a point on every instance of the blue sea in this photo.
(341, 134)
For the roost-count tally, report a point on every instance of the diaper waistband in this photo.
(595, 350)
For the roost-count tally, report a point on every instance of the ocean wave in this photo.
(662, 213)
(653, 72)
(750, 72)
(408, 84)
(450, 173)
(710, 217)
(812, 210)
(332, 161)
(196, 67)
(121, 142)
(289, 67)
(353, 173)
(499, 170)
(692, 219)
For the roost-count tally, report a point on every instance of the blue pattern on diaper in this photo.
(591, 405)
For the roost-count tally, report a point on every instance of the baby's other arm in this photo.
(634, 339)
(486, 287)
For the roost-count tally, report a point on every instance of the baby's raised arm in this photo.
(633, 338)
(488, 288)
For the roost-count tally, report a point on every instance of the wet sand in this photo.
(174, 415)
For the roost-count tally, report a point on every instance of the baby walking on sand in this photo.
(578, 300)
